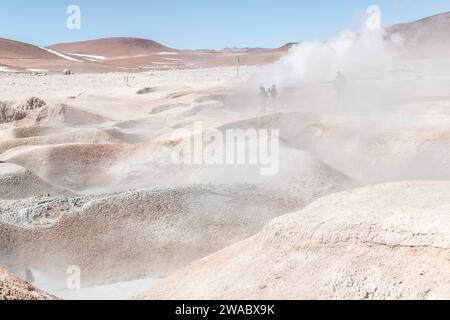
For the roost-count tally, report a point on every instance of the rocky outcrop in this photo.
(32, 103)
(14, 288)
(10, 113)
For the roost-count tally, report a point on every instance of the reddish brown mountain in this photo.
(10, 49)
(112, 47)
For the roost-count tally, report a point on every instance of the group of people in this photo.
(269, 96)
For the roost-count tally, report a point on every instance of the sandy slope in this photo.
(381, 242)
(13, 288)
(17, 56)
(18, 183)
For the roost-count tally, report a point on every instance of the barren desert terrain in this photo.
(358, 207)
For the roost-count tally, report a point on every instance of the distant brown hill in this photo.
(10, 49)
(132, 54)
(425, 30)
(429, 35)
(113, 47)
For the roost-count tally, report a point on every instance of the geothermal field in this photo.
(351, 201)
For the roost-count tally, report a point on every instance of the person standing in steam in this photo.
(264, 96)
(274, 97)
(29, 276)
(340, 87)
(340, 84)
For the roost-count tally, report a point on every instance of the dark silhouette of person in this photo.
(29, 276)
(274, 97)
(340, 84)
(264, 96)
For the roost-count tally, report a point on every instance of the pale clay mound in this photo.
(67, 115)
(29, 132)
(130, 235)
(388, 241)
(374, 156)
(14, 288)
(68, 136)
(18, 183)
(87, 160)
(71, 166)
(35, 112)
(299, 176)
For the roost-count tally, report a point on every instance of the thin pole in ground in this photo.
(238, 62)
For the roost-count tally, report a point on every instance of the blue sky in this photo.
(197, 24)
